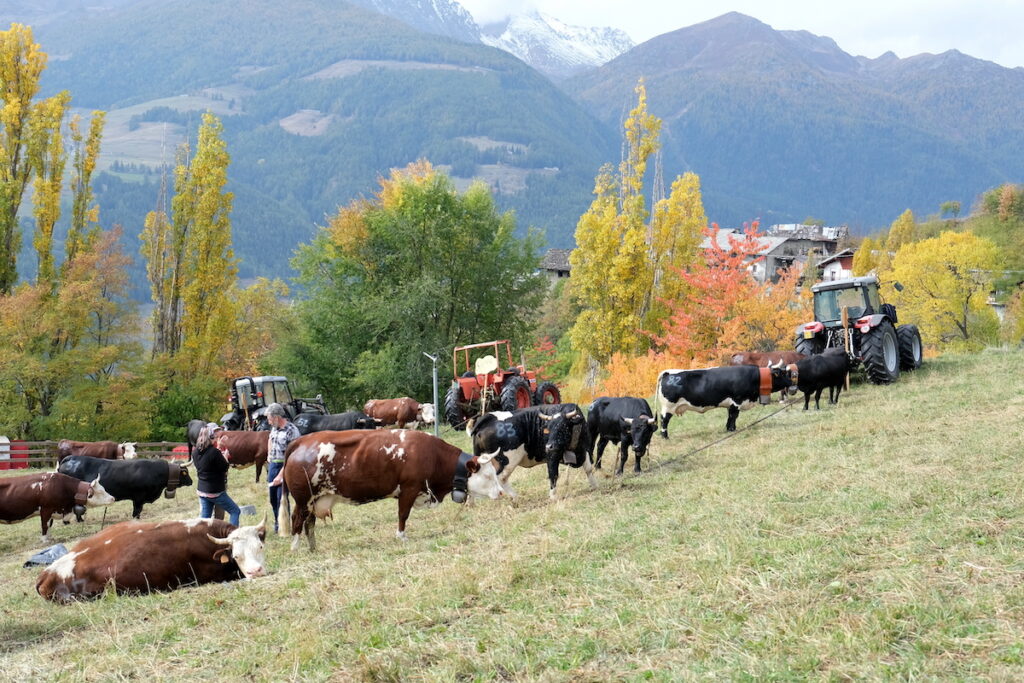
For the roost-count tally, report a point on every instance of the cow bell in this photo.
(764, 399)
(79, 511)
(459, 496)
(169, 493)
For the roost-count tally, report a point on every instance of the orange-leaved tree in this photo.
(632, 375)
(726, 309)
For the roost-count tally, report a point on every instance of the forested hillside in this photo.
(783, 124)
(318, 100)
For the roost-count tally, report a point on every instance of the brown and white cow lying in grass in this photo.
(356, 467)
(140, 557)
(48, 493)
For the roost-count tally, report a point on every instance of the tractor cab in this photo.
(250, 397)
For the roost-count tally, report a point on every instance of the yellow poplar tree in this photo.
(201, 211)
(902, 231)
(48, 158)
(946, 281)
(622, 264)
(21, 64)
(84, 214)
(676, 227)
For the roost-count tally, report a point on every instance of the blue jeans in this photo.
(224, 500)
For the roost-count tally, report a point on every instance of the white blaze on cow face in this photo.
(484, 482)
(98, 495)
(247, 548)
(128, 448)
(427, 413)
(64, 566)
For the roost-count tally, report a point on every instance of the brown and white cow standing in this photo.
(356, 467)
(108, 450)
(401, 412)
(245, 448)
(139, 557)
(45, 494)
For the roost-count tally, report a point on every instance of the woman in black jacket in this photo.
(212, 472)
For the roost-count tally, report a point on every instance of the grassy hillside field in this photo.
(882, 538)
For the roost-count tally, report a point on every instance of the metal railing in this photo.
(43, 454)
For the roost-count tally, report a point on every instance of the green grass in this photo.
(879, 539)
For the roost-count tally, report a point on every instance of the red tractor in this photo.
(486, 386)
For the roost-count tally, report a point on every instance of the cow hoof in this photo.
(400, 535)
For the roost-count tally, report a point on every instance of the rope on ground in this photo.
(706, 446)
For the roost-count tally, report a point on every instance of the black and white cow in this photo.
(140, 481)
(735, 388)
(551, 434)
(308, 423)
(626, 421)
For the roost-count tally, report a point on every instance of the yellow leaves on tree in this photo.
(26, 130)
(632, 375)
(946, 281)
(621, 264)
(867, 257)
(84, 214)
(48, 158)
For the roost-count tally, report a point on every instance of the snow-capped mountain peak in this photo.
(554, 47)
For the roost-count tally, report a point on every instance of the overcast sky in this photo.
(987, 29)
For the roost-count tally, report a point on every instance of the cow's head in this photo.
(246, 547)
(426, 413)
(562, 432)
(366, 422)
(641, 429)
(477, 476)
(784, 377)
(183, 477)
(98, 495)
(128, 450)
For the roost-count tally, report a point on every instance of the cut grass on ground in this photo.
(880, 538)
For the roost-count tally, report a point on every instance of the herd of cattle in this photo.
(346, 458)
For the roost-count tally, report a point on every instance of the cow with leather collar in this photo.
(359, 466)
(46, 494)
(734, 388)
(140, 557)
(140, 481)
(548, 434)
(625, 421)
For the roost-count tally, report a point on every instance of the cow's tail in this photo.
(284, 513)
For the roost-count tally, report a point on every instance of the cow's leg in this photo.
(839, 390)
(730, 422)
(817, 398)
(807, 400)
(665, 417)
(137, 508)
(552, 476)
(588, 467)
(259, 470)
(406, 498)
(602, 442)
(46, 521)
(636, 461)
(300, 515)
(623, 456)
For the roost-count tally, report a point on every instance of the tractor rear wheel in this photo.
(453, 406)
(880, 353)
(910, 347)
(547, 394)
(809, 347)
(515, 394)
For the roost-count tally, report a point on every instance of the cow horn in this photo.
(219, 541)
(187, 463)
(628, 420)
(95, 481)
(572, 413)
(262, 526)
(546, 418)
(652, 420)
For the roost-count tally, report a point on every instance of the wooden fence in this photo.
(43, 454)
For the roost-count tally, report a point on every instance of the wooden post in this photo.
(846, 341)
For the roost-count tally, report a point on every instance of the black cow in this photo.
(550, 434)
(140, 481)
(826, 370)
(736, 388)
(339, 422)
(625, 421)
(192, 434)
